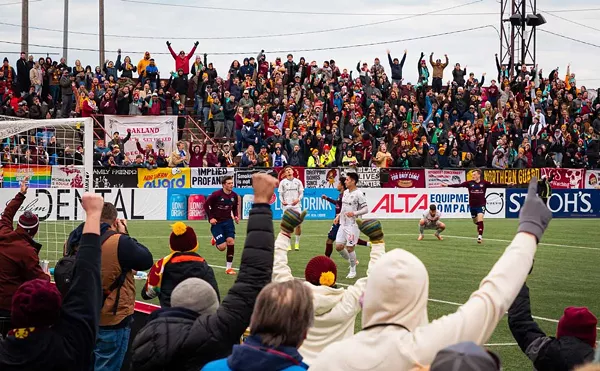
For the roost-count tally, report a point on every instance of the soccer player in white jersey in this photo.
(354, 204)
(431, 220)
(291, 191)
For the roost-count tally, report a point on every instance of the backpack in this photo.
(63, 271)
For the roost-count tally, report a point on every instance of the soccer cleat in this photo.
(439, 237)
(352, 273)
(297, 246)
(420, 238)
(230, 272)
(213, 241)
(290, 248)
(479, 239)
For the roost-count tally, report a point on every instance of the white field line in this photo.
(432, 300)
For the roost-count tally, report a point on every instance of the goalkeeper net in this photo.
(57, 157)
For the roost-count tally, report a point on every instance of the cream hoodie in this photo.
(396, 297)
(335, 308)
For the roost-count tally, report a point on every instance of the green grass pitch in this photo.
(565, 273)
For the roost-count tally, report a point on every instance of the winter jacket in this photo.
(19, 261)
(396, 68)
(69, 343)
(458, 76)
(253, 356)
(397, 334)
(176, 339)
(142, 64)
(182, 62)
(547, 353)
(335, 307)
(438, 68)
(180, 84)
(65, 86)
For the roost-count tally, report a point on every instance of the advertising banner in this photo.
(209, 177)
(176, 177)
(564, 203)
(40, 176)
(112, 177)
(565, 178)
(321, 178)
(298, 173)
(160, 131)
(518, 177)
(592, 178)
(67, 176)
(436, 178)
(404, 178)
(65, 204)
(243, 178)
(368, 177)
(412, 203)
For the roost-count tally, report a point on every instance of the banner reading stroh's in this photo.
(405, 178)
(160, 131)
(518, 177)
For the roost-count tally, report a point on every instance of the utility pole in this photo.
(101, 32)
(25, 26)
(66, 30)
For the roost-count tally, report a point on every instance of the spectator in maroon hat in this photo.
(573, 345)
(19, 261)
(48, 334)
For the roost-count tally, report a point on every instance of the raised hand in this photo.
(535, 215)
(24, 186)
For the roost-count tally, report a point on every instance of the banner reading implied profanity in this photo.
(209, 177)
(160, 131)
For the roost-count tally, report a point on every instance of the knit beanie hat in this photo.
(195, 294)
(36, 303)
(321, 271)
(183, 238)
(29, 222)
(578, 322)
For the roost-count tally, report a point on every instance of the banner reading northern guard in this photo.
(513, 176)
(159, 131)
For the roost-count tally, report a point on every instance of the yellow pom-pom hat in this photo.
(321, 271)
(183, 238)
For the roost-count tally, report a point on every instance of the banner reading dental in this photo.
(401, 203)
(436, 178)
(160, 131)
(518, 177)
(209, 177)
(177, 177)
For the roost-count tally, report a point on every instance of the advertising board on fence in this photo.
(67, 176)
(436, 178)
(209, 177)
(321, 178)
(564, 203)
(160, 131)
(412, 203)
(39, 176)
(565, 178)
(368, 177)
(176, 177)
(113, 177)
(404, 178)
(243, 178)
(592, 179)
(518, 177)
(65, 204)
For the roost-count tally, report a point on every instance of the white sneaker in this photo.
(352, 273)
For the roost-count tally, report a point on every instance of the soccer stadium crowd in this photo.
(269, 112)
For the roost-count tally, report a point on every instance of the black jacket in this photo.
(547, 353)
(396, 68)
(67, 345)
(176, 339)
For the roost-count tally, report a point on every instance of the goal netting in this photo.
(57, 157)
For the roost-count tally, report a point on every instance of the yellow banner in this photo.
(177, 177)
(516, 176)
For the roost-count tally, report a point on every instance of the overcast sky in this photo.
(159, 23)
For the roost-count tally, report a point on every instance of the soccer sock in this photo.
(352, 256)
(230, 250)
(438, 231)
(328, 249)
(480, 228)
(344, 254)
(362, 242)
(421, 229)
(297, 240)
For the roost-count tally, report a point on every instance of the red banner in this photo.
(298, 173)
(405, 179)
(565, 178)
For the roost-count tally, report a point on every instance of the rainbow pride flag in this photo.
(40, 176)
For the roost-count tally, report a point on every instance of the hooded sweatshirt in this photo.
(397, 334)
(335, 308)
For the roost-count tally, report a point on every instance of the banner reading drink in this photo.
(159, 131)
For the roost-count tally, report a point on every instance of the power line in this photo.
(571, 21)
(299, 12)
(277, 51)
(569, 38)
(262, 36)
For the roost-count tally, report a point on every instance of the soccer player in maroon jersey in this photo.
(341, 187)
(219, 207)
(477, 188)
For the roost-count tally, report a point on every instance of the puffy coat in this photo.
(182, 62)
(177, 339)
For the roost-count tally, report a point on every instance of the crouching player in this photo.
(431, 220)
